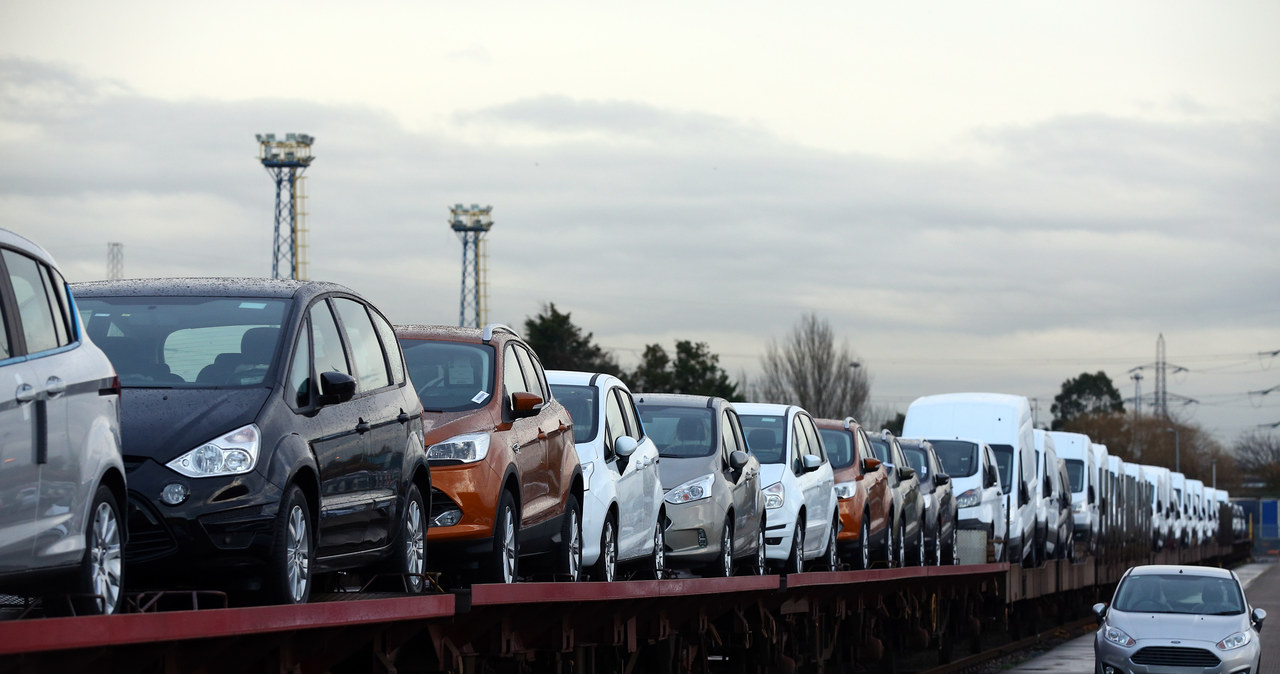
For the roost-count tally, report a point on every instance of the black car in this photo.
(907, 517)
(940, 531)
(270, 433)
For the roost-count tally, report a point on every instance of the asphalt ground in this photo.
(1261, 588)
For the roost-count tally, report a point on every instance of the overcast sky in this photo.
(978, 196)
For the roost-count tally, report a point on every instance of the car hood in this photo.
(676, 471)
(438, 426)
(163, 424)
(770, 473)
(1178, 626)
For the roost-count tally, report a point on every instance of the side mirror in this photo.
(942, 479)
(525, 404)
(336, 387)
(1258, 616)
(905, 473)
(738, 459)
(989, 481)
(811, 462)
(870, 465)
(625, 446)
(1099, 612)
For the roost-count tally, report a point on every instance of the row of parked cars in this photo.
(259, 435)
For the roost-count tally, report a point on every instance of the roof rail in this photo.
(494, 327)
(849, 422)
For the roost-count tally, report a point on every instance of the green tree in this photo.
(695, 371)
(1085, 395)
(560, 344)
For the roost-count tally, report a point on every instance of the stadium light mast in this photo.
(286, 160)
(471, 225)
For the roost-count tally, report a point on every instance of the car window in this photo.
(679, 432)
(450, 376)
(186, 341)
(580, 401)
(634, 428)
(766, 435)
(56, 289)
(729, 440)
(329, 355)
(615, 425)
(388, 336)
(366, 351)
(5, 350)
(300, 370)
(917, 460)
(512, 376)
(839, 446)
(35, 308)
(812, 441)
(533, 373)
(799, 447)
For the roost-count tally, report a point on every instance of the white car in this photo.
(62, 478)
(622, 510)
(975, 479)
(801, 521)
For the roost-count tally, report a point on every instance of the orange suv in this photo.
(506, 483)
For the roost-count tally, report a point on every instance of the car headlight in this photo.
(846, 490)
(773, 496)
(693, 490)
(467, 448)
(232, 454)
(1235, 641)
(1078, 508)
(969, 498)
(1117, 636)
(587, 469)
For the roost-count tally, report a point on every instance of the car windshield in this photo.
(186, 342)
(1004, 461)
(916, 457)
(881, 449)
(679, 432)
(839, 446)
(1075, 471)
(958, 458)
(766, 436)
(450, 376)
(581, 403)
(1179, 593)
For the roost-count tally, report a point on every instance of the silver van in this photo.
(62, 486)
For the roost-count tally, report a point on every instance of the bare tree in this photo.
(1258, 453)
(807, 369)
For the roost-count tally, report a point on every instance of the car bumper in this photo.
(1121, 658)
(472, 488)
(594, 510)
(692, 538)
(779, 532)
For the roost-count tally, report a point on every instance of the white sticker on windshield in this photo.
(480, 397)
(253, 305)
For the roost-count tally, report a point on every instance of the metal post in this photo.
(1177, 450)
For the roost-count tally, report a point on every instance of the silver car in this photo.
(1177, 619)
(62, 485)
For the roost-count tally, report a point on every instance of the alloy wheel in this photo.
(106, 554)
(298, 554)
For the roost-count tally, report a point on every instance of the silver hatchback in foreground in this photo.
(1177, 619)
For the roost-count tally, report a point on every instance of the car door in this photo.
(19, 472)
(819, 487)
(649, 497)
(529, 441)
(45, 325)
(379, 411)
(746, 488)
(627, 473)
(334, 434)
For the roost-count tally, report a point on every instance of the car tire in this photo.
(606, 567)
(831, 557)
(99, 582)
(921, 558)
(795, 561)
(503, 565)
(955, 544)
(571, 541)
(658, 561)
(411, 552)
(901, 553)
(761, 566)
(937, 545)
(863, 559)
(724, 568)
(292, 550)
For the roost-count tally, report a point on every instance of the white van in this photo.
(1100, 455)
(1196, 510)
(1181, 522)
(1116, 513)
(975, 480)
(1077, 451)
(1047, 497)
(1162, 505)
(1004, 423)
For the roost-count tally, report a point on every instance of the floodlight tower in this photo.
(115, 261)
(471, 225)
(286, 160)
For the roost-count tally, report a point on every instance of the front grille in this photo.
(1175, 656)
(148, 536)
(440, 502)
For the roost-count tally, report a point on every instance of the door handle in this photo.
(54, 387)
(26, 393)
(404, 417)
(362, 427)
